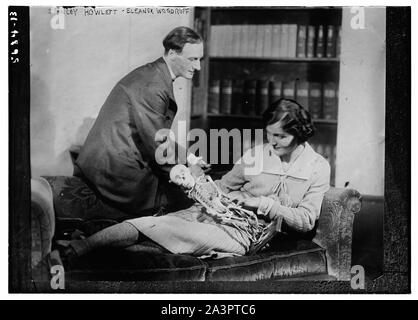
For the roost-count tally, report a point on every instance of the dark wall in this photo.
(367, 249)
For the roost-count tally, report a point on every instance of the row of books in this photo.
(277, 41)
(252, 97)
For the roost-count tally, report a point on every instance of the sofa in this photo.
(325, 252)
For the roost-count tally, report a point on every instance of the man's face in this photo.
(185, 63)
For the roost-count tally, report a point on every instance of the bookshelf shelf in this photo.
(272, 59)
(325, 121)
(235, 116)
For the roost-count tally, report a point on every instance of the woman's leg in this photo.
(119, 235)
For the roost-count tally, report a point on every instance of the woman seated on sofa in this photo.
(285, 181)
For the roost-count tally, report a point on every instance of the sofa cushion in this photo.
(146, 264)
(284, 260)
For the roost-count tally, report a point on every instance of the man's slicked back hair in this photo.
(178, 37)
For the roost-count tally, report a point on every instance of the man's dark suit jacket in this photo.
(117, 157)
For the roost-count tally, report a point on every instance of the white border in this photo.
(4, 159)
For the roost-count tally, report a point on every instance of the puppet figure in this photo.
(222, 208)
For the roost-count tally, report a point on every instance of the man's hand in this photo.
(196, 170)
(193, 160)
(205, 166)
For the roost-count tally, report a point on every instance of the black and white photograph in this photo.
(208, 149)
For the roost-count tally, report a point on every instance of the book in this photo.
(267, 43)
(225, 96)
(244, 40)
(301, 42)
(214, 40)
(214, 96)
(249, 97)
(259, 42)
(330, 42)
(338, 43)
(252, 41)
(228, 40)
(219, 40)
(310, 42)
(315, 100)
(302, 94)
(320, 43)
(222, 37)
(330, 100)
(262, 96)
(275, 91)
(236, 38)
(237, 96)
(275, 41)
(292, 36)
(284, 38)
(224, 43)
(289, 90)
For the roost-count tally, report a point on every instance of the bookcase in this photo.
(255, 55)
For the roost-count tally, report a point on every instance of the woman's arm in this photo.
(233, 180)
(303, 217)
(249, 164)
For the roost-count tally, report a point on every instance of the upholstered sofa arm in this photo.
(335, 229)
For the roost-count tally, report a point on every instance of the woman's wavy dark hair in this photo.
(294, 118)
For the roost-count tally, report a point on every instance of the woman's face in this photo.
(282, 142)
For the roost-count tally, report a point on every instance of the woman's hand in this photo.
(192, 160)
(250, 203)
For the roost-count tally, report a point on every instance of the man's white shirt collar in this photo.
(173, 76)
